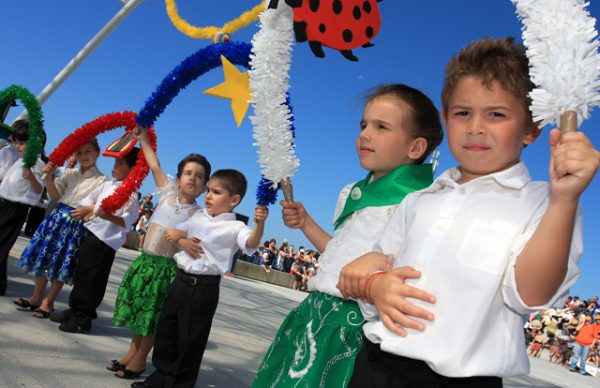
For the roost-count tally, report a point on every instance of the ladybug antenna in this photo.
(273, 4)
(316, 48)
(349, 55)
(367, 45)
(300, 31)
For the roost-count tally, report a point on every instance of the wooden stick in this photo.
(288, 189)
(568, 122)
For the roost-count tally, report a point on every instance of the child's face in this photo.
(384, 143)
(218, 200)
(487, 128)
(191, 182)
(86, 156)
(120, 169)
(20, 145)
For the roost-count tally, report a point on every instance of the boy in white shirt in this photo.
(107, 233)
(483, 232)
(209, 240)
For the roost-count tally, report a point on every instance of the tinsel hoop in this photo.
(90, 130)
(35, 141)
(209, 32)
(190, 69)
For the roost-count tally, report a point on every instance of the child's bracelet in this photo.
(366, 292)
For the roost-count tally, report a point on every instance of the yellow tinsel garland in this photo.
(209, 31)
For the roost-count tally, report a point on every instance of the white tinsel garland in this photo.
(562, 48)
(269, 82)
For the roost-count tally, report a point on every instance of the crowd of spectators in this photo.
(570, 335)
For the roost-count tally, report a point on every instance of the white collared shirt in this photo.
(111, 234)
(220, 237)
(465, 240)
(75, 186)
(356, 236)
(8, 155)
(168, 213)
(18, 189)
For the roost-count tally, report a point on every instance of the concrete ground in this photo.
(34, 353)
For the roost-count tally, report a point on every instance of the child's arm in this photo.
(295, 216)
(172, 235)
(81, 212)
(157, 172)
(112, 218)
(36, 186)
(260, 215)
(49, 175)
(542, 265)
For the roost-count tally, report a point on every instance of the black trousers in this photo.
(183, 330)
(12, 217)
(376, 368)
(34, 219)
(91, 277)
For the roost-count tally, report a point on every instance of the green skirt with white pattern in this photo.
(315, 346)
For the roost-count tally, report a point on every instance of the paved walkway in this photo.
(34, 353)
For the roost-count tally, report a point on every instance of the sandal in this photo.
(24, 304)
(115, 366)
(41, 314)
(129, 374)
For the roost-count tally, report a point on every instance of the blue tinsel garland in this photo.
(187, 71)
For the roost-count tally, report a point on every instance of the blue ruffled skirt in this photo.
(54, 248)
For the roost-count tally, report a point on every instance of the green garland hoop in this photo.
(36, 121)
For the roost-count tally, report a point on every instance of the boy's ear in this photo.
(235, 200)
(532, 133)
(417, 148)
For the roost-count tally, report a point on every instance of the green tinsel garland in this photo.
(36, 121)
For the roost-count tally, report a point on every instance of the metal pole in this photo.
(84, 52)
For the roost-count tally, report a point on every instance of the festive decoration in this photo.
(339, 24)
(562, 47)
(187, 71)
(220, 37)
(122, 146)
(92, 129)
(236, 88)
(35, 140)
(211, 32)
(269, 82)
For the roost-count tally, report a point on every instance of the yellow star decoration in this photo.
(235, 88)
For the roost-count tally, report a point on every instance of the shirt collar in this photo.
(90, 172)
(515, 177)
(220, 217)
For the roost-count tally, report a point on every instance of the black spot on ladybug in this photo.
(347, 35)
(369, 31)
(337, 7)
(322, 28)
(314, 5)
(356, 12)
(367, 7)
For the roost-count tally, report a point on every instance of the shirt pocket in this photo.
(486, 245)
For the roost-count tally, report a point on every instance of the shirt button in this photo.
(461, 190)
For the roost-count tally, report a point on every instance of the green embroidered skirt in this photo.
(315, 346)
(143, 292)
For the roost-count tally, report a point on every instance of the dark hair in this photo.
(424, 118)
(196, 158)
(490, 60)
(21, 133)
(232, 180)
(94, 143)
(131, 157)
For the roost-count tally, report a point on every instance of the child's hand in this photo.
(191, 246)
(81, 211)
(294, 215)
(388, 293)
(573, 163)
(171, 235)
(140, 132)
(354, 275)
(260, 214)
(49, 169)
(27, 174)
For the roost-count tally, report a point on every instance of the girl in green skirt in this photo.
(318, 341)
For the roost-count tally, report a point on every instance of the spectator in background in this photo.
(288, 259)
(587, 336)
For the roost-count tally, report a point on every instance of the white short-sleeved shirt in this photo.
(168, 213)
(8, 155)
(74, 186)
(220, 237)
(356, 236)
(465, 238)
(111, 234)
(18, 189)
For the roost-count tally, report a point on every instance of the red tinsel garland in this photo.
(90, 130)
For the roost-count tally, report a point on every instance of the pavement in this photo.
(34, 353)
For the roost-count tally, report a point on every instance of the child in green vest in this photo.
(317, 343)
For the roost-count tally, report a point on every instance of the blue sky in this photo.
(414, 44)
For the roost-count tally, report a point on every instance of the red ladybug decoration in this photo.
(338, 24)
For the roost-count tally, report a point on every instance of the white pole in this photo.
(84, 52)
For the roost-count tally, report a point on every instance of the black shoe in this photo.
(115, 366)
(76, 326)
(140, 384)
(61, 316)
(129, 374)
